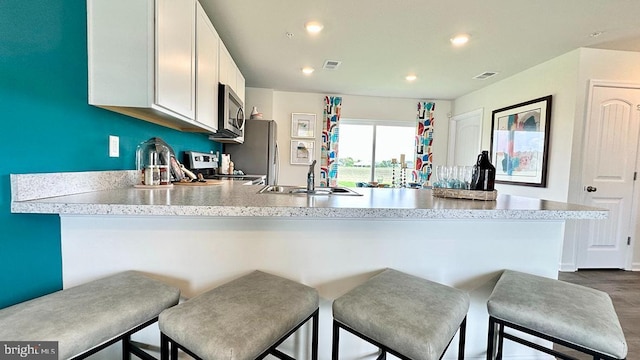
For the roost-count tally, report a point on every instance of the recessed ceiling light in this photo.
(308, 70)
(460, 39)
(313, 27)
(411, 77)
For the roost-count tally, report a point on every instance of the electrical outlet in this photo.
(114, 146)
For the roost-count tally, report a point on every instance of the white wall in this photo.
(286, 103)
(262, 99)
(566, 78)
(353, 107)
(557, 77)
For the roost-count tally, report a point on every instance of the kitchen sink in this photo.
(301, 190)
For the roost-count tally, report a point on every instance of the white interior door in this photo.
(465, 136)
(609, 170)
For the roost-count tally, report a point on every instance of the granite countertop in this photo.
(94, 197)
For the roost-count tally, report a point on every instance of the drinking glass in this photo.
(467, 176)
(461, 183)
(446, 176)
(453, 177)
(438, 183)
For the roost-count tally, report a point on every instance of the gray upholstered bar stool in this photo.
(247, 318)
(571, 315)
(404, 315)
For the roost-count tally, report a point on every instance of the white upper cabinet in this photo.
(175, 56)
(207, 70)
(121, 55)
(240, 86)
(229, 72)
(156, 60)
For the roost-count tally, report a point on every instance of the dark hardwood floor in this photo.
(624, 289)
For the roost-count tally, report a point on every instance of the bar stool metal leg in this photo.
(500, 341)
(462, 334)
(491, 340)
(126, 347)
(314, 338)
(336, 341)
(174, 351)
(164, 347)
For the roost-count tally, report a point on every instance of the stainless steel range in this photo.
(207, 165)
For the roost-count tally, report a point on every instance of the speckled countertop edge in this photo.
(291, 212)
(111, 193)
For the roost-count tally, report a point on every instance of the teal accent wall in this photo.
(47, 126)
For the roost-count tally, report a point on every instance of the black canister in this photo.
(484, 173)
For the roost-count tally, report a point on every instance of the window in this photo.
(367, 147)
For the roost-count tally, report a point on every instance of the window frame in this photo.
(375, 123)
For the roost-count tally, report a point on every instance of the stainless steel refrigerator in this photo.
(258, 155)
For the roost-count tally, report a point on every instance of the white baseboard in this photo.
(568, 267)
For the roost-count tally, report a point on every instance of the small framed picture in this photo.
(302, 152)
(303, 125)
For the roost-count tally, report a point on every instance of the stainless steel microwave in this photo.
(230, 113)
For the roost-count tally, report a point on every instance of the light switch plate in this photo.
(114, 146)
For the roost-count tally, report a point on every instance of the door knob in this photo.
(591, 189)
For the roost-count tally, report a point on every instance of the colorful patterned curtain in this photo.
(424, 140)
(329, 152)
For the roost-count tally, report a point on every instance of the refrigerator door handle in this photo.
(276, 161)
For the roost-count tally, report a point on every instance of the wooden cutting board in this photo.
(198, 183)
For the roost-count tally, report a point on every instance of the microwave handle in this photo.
(240, 118)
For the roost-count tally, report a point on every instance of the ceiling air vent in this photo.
(331, 64)
(485, 75)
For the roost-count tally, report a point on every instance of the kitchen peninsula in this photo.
(200, 237)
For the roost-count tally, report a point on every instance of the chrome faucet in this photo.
(311, 186)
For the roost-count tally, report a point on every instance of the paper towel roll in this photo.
(224, 164)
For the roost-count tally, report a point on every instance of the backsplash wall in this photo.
(48, 126)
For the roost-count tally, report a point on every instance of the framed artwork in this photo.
(520, 142)
(303, 125)
(302, 152)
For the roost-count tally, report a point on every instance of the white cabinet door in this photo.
(175, 56)
(227, 70)
(240, 85)
(207, 70)
(120, 53)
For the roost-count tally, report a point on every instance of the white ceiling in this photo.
(380, 41)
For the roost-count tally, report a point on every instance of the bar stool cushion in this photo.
(570, 312)
(413, 316)
(87, 315)
(240, 319)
